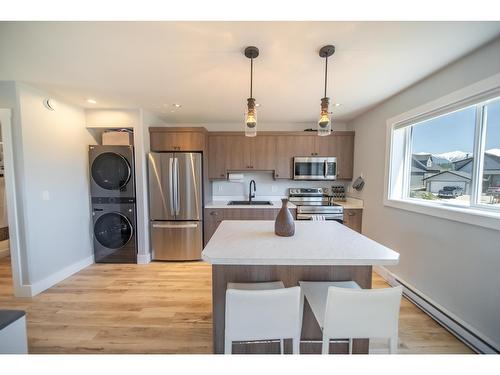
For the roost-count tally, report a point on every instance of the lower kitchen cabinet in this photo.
(214, 216)
(353, 218)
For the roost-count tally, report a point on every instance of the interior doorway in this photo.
(4, 222)
(10, 250)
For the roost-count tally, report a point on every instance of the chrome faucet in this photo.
(250, 195)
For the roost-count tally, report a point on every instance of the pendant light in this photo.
(251, 112)
(325, 121)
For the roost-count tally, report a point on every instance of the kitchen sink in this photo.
(250, 203)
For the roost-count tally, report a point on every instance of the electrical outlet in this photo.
(220, 187)
(274, 188)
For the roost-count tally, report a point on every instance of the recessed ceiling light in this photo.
(257, 104)
(91, 101)
(337, 104)
(176, 105)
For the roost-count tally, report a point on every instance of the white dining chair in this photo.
(362, 313)
(260, 312)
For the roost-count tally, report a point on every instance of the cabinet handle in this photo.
(351, 213)
(214, 213)
(222, 175)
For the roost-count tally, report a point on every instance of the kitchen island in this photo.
(249, 251)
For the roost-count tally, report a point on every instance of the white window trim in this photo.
(475, 215)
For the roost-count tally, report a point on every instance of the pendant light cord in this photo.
(326, 73)
(251, 76)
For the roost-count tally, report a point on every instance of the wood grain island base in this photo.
(243, 251)
(290, 275)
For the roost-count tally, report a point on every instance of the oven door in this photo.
(314, 168)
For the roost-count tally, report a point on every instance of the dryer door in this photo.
(113, 230)
(111, 171)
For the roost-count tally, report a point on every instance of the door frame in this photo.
(11, 199)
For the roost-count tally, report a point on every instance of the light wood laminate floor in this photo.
(158, 308)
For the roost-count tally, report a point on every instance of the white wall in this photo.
(455, 264)
(55, 152)
(51, 166)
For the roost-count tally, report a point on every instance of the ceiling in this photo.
(201, 66)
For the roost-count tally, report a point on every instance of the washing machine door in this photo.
(111, 171)
(113, 230)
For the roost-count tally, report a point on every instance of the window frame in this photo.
(398, 155)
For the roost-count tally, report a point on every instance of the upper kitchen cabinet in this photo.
(218, 155)
(264, 152)
(274, 151)
(177, 139)
(326, 146)
(239, 151)
(344, 151)
(235, 152)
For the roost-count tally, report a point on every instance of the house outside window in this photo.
(447, 158)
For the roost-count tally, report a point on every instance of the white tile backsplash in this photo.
(266, 186)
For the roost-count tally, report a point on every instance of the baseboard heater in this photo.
(456, 328)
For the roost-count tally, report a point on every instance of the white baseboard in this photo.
(57, 277)
(143, 258)
(476, 340)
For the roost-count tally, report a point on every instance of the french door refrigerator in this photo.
(175, 205)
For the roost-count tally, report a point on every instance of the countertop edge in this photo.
(349, 204)
(283, 262)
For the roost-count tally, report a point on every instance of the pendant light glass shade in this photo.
(251, 119)
(325, 120)
(251, 112)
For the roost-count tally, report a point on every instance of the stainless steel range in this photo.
(315, 204)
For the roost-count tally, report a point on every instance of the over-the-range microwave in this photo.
(314, 168)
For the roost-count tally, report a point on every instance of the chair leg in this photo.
(393, 345)
(228, 346)
(296, 345)
(325, 349)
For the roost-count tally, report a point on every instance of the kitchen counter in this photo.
(276, 203)
(314, 243)
(351, 204)
(249, 252)
(348, 204)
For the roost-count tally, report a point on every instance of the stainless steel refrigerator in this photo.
(175, 205)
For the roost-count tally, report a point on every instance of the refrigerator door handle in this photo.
(175, 226)
(177, 200)
(171, 183)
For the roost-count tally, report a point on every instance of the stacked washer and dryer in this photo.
(112, 189)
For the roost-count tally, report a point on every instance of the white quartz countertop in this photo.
(241, 242)
(276, 203)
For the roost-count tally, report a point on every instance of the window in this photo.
(490, 163)
(447, 158)
(441, 158)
